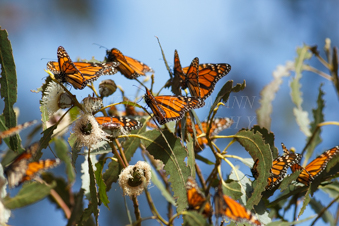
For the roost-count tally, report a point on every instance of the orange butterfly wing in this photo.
(117, 122)
(129, 67)
(209, 75)
(279, 168)
(314, 168)
(226, 206)
(78, 74)
(16, 129)
(217, 126)
(17, 169)
(171, 108)
(196, 198)
(35, 168)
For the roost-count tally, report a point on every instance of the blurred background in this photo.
(253, 37)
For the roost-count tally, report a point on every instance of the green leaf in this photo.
(77, 211)
(86, 214)
(225, 92)
(29, 193)
(93, 190)
(318, 118)
(334, 71)
(129, 146)
(235, 188)
(172, 154)
(268, 138)
(161, 187)
(8, 82)
(258, 149)
(165, 61)
(85, 177)
(282, 223)
(100, 182)
(268, 94)
(193, 218)
(288, 180)
(331, 189)
(7, 140)
(191, 155)
(75, 148)
(61, 188)
(318, 207)
(307, 199)
(43, 108)
(296, 95)
(61, 149)
(44, 140)
(203, 159)
(302, 120)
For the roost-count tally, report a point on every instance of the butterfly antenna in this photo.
(100, 46)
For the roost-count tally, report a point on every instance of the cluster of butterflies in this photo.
(200, 79)
(291, 160)
(225, 206)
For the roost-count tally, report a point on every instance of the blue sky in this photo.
(253, 37)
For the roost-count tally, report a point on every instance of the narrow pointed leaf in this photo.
(318, 117)
(28, 194)
(61, 149)
(174, 160)
(100, 182)
(258, 149)
(8, 89)
(267, 94)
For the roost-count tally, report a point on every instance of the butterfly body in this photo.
(129, 67)
(171, 108)
(78, 74)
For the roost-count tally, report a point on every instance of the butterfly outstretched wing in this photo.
(78, 74)
(209, 75)
(279, 168)
(171, 108)
(119, 121)
(128, 66)
(314, 168)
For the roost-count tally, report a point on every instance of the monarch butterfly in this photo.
(314, 168)
(78, 73)
(278, 170)
(171, 108)
(16, 129)
(200, 79)
(35, 168)
(226, 206)
(196, 199)
(21, 169)
(129, 67)
(120, 123)
(217, 126)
